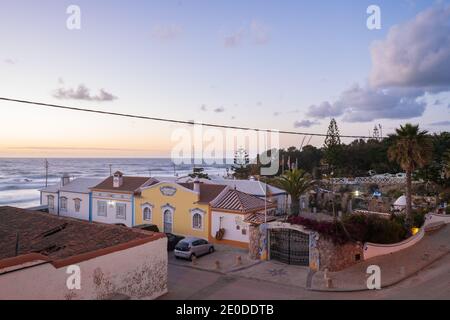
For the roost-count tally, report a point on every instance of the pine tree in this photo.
(332, 145)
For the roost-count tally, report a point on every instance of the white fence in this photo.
(370, 180)
(373, 249)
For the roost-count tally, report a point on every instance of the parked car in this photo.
(172, 241)
(192, 247)
(147, 227)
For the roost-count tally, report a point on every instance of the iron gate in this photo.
(289, 246)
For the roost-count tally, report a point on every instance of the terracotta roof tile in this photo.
(208, 192)
(235, 200)
(58, 237)
(130, 184)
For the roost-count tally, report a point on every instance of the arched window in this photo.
(197, 221)
(147, 214)
(168, 220)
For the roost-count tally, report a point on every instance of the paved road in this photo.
(189, 283)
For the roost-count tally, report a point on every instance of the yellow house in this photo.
(213, 212)
(179, 208)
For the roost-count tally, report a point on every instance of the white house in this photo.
(69, 198)
(113, 198)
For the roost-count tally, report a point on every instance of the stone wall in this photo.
(254, 245)
(335, 257)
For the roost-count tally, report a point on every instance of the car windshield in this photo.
(182, 245)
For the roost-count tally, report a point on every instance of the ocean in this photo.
(21, 179)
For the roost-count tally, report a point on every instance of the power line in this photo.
(127, 115)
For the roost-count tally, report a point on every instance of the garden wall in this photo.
(336, 257)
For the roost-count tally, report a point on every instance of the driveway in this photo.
(223, 260)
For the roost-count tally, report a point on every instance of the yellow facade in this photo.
(180, 202)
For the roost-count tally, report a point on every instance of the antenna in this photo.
(46, 173)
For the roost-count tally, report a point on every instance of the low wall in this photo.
(137, 272)
(433, 217)
(373, 249)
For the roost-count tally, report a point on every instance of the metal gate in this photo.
(289, 246)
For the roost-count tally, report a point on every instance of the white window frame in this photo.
(102, 204)
(63, 201)
(124, 206)
(51, 202)
(164, 208)
(202, 214)
(150, 207)
(77, 204)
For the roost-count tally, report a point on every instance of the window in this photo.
(167, 221)
(63, 206)
(197, 221)
(121, 211)
(77, 204)
(101, 208)
(147, 214)
(51, 202)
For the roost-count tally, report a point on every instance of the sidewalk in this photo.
(394, 267)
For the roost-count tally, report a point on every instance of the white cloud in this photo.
(83, 93)
(305, 123)
(415, 53)
(413, 59)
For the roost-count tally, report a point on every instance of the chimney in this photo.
(65, 179)
(117, 179)
(196, 185)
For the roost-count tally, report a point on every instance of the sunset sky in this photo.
(288, 65)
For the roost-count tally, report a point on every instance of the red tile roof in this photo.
(235, 200)
(56, 238)
(208, 192)
(258, 218)
(130, 184)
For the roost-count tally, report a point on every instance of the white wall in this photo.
(229, 224)
(111, 211)
(139, 272)
(44, 200)
(83, 214)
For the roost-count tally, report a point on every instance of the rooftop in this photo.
(130, 184)
(57, 239)
(208, 192)
(80, 185)
(234, 200)
(253, 187)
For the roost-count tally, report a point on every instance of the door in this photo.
(168, 221)
(289, 246)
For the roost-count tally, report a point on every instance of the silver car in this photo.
(192, 247)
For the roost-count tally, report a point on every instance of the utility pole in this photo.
(110, 170)
(46, 173)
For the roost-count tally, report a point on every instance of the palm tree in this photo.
(412, 149)
(295, 182)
